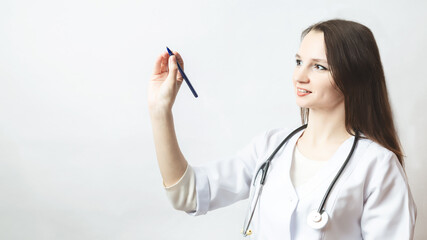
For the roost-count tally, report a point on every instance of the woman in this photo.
(340, 86)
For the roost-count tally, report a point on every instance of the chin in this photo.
(302, 104)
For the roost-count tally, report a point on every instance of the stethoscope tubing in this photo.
(264, 169)
(325, 197)
(266, 164)
(245, 230)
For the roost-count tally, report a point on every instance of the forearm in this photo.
(171, 161)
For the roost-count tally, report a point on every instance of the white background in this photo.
(77, 159)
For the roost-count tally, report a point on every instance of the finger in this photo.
(180, 60)
(179, 83)
(158, 65)
(181, 63)
(173, 70)
(165, 57)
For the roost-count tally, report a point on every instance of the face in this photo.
(313, 82)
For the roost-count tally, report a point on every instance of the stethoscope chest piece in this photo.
(317, 220)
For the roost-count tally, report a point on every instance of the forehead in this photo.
(313, 46)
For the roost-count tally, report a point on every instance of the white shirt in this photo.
(303, 168)
(371, 199)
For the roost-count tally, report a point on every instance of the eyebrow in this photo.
(314, 59)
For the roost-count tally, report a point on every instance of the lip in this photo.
(302, 94)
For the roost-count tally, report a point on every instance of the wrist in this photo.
(156, 113)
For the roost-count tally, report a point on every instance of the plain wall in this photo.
(77, 159)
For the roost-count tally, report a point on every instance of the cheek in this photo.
(334, 91)
(329, 91)
(334, 94)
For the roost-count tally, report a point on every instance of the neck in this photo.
(326, 126)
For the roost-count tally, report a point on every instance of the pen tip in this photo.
(169, 51)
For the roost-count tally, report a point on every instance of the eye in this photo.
(320, 67)
(298, 62)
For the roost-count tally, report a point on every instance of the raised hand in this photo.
(165, 82)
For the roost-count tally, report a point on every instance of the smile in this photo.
(302, 92)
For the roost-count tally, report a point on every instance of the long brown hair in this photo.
(355, 64)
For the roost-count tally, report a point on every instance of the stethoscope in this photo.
(316, 219)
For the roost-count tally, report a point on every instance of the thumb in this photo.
(173, 70)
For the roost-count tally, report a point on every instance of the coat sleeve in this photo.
(223, 182)
(389, 210)
(182, 194)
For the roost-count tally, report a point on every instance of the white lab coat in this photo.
(371, 199)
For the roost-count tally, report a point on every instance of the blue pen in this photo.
(183, 75)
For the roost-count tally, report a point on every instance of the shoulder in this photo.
(379, 163)
(278, 134)
(270, 138)
(272, 134)
(377, 154)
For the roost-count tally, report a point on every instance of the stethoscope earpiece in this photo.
(248, 232)
(317, 220)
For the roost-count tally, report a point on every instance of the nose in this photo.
(300, 75)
